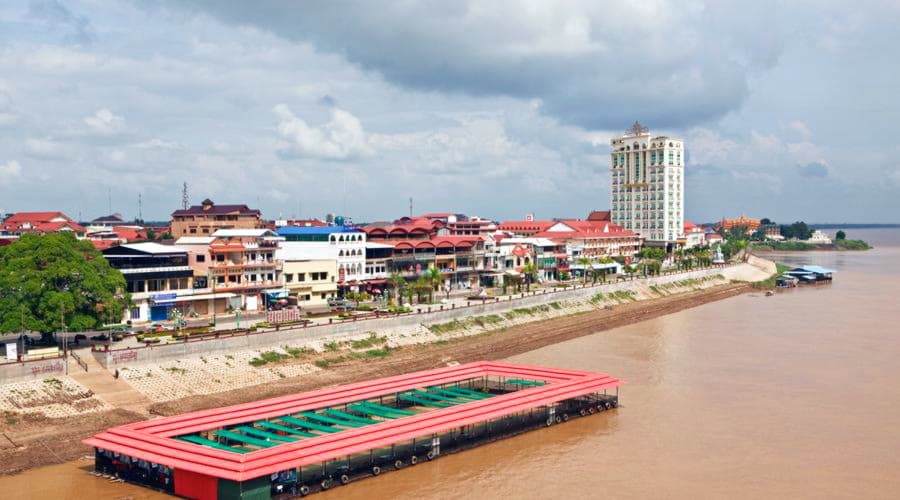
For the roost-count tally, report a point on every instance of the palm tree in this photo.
(399, 283)
(584, 262)
(529, 270)
(433, 276)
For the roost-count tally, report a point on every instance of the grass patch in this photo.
(555, 305)
(175, 369)
(440, 328)
(489, 319)
(54, 382)
(623, 295)
(326, 362)
(851, 245)
(596, 299)
(331, 346)
(372, 341)
(269, 357)
(377, 353)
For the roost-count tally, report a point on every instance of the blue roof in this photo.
(292, 230)
(811, 269)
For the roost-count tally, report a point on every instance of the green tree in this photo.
(399, 283)
(55, 280)
(530, 271)
(840, 235)
(585, 263)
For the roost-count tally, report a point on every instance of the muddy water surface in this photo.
(796, 395)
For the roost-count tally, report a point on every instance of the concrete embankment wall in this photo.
(32, 370)
(269, 339)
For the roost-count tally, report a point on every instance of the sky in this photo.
(499, 109)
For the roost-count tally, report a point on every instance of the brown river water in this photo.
(796, 395)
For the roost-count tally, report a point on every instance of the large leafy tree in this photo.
(47, 281)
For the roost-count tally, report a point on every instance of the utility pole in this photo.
(410, 206)
(185, 202)
(140, 209)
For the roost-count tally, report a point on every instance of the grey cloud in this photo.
(55, 15)
(588, 63)
(813, 170)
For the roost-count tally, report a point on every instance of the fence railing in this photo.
(417, 311)
(78, 360)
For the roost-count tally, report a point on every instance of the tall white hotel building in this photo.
(648, 185)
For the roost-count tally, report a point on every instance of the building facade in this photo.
(158, 277)
(207, 218)
(648, 185)
(310, 275)
(346, 245)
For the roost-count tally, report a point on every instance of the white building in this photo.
(819, 237)
(648, 184)
(346, 245)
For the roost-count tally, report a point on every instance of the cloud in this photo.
(45, 149)
(813, 170)
(342, 138)
(104, 122)
(56, 16)
(8, 115)
(159, 144)
(799, 127)
(9, 172)
(590, 64)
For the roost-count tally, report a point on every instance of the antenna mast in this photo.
(185, 201)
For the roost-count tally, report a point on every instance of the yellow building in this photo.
(309, 276)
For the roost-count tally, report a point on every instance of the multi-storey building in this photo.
(237, 267)
(648, 185)
(346, 245)
(310, 274)
(158, 277)
(206, 218)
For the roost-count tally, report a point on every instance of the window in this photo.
(220, 258)
(288, 278)
(136, 313)
(201, 258)
(193, 230)
(301, 276)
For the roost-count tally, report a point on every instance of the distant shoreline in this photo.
(799, 246)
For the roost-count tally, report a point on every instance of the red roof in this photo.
(584, 229)
(35, 217)
(130, 234)
(104, 244)
(208, 207)
(526, 226)
(152, 439)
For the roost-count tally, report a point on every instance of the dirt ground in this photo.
(32, 442)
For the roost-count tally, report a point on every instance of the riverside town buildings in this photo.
(648, 185)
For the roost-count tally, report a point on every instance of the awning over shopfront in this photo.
(202, 296)
(277, 294)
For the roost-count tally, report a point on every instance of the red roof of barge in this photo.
(152, 440)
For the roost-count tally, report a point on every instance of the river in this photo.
(796, 395)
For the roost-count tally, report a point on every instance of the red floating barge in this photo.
(298, 444)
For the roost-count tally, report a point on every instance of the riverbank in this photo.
(207, 381)
(802, 246)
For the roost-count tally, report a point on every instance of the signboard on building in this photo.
(529, 217)
(12, 351)
(164, 297)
